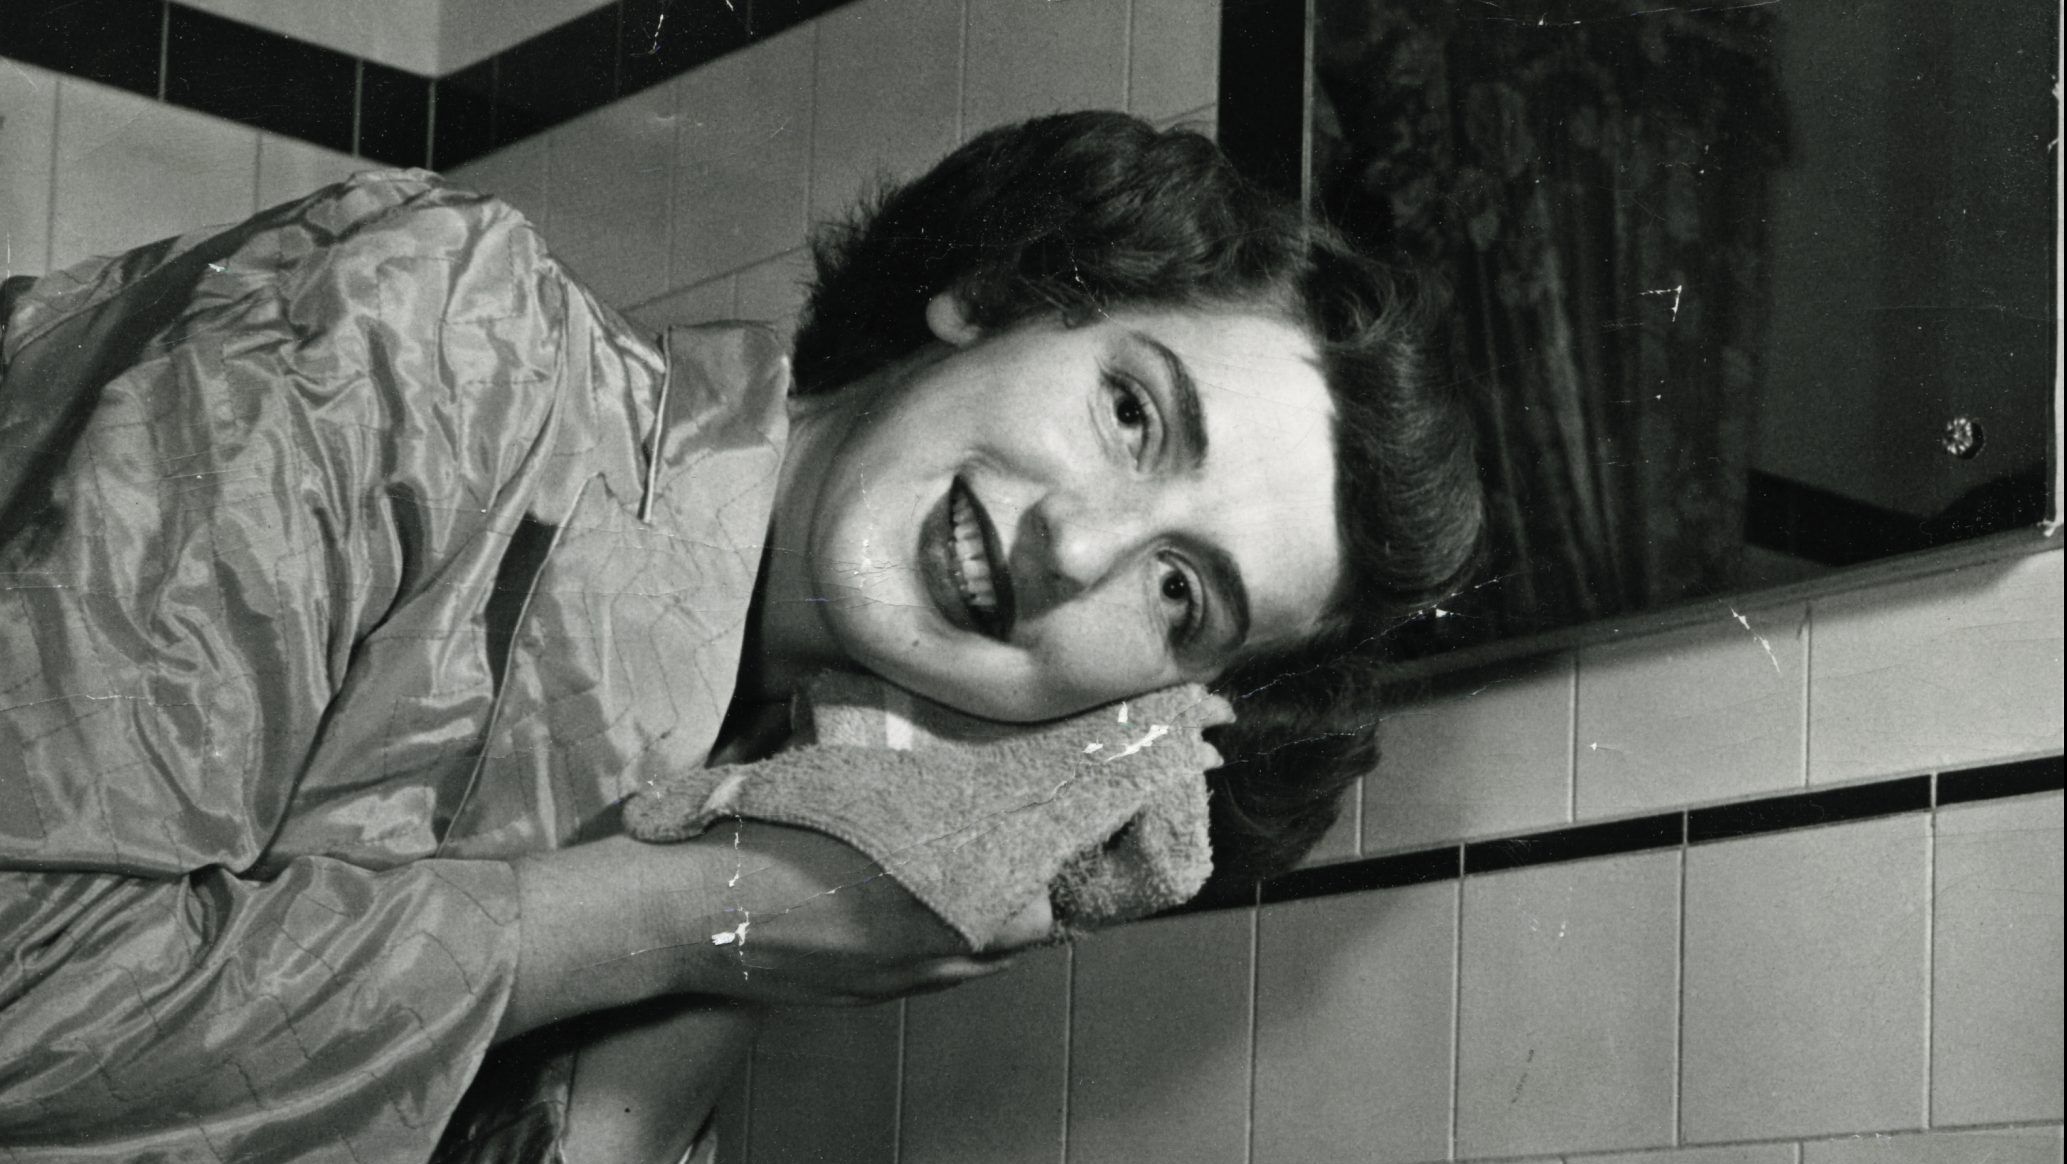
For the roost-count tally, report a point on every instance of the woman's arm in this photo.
(759, 913)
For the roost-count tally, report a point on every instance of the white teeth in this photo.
(973, 563)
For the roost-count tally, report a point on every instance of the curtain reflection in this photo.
(1592, 182)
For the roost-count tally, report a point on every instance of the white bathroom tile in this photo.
(1339, 843)
(401, 33)
(1725, 1154)
(1996, 940)
(1159, 1042)
(1804, 983)
(131, 171)
(1174, 57)
(472, 30)
(289, 169)
(517, 175)
(773, 292)
(825, 1085)
(1030, 59)
(985, 1068)
(887, 95)
(743, 166)
(2020, 1146)
(702, 303)
(1485, 752)
(1568, 1007)
(28, 118)
(1692, 716)
(1954, 669)
(1353, 1027)
(608, 192)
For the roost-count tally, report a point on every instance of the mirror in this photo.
(1739, 294)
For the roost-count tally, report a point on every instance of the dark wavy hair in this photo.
(1084, 213)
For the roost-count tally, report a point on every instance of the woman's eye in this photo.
(1182, 597)
(1130, 410)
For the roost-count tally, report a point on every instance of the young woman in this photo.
(361, 565)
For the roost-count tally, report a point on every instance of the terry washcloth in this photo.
(1104, 812)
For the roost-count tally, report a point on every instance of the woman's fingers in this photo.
(1035, 923)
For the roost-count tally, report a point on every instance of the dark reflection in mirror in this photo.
(1739, 294)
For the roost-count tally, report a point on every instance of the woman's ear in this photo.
(949, 320)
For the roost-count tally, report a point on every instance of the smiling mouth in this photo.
(981, 582)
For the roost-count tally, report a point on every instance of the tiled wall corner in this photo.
(2008, 1146)
(1483, 753)
(469, 30)
(1028, 59)
(1159, 1042)
(1354, 1025)
(401, 33)
(131, 171)
(1953, 669)
(888, 95)
(715, 299)
(28, 125)
(288, 169)
(517, 175)
(1692, 716)
(1173, 65)
(986, 1068)
(608, 189)
(772, 291)
(825, 1083)
(1341, 841)
(743, 167)
(1804, 982)
(1996, 939)
(1568, 1007)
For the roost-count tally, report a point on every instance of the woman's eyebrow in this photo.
(1184, 391)
(1226, 581)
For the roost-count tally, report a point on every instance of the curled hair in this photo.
(1081, 214)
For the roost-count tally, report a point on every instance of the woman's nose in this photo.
(1074, 543)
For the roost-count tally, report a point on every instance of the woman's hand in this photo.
(755, 912)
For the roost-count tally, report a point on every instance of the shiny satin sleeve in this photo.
(332, 1013)
(224, 460)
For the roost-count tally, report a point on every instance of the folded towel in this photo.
(1104, 812)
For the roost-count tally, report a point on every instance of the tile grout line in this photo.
(1808, 687)
(962, 77)
(1679, 1018)
(897, 1091)
(358, 103)
(1069, 1019)
(1930, 946)
(1127, 59)
(57, 103)
(164, 48)
(1255, 984)
(1572, 738)
(1456, 1005)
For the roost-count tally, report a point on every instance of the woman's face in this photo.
(1052, 518)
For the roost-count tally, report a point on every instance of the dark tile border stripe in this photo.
(195, 59)
(1666, 830)
(1390, 872)
(1808, 809)
(1999, 780)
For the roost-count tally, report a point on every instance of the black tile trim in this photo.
(1666, 830)
(1809, 809)
(1998, 780)
(253, 76)
(1391, 872)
